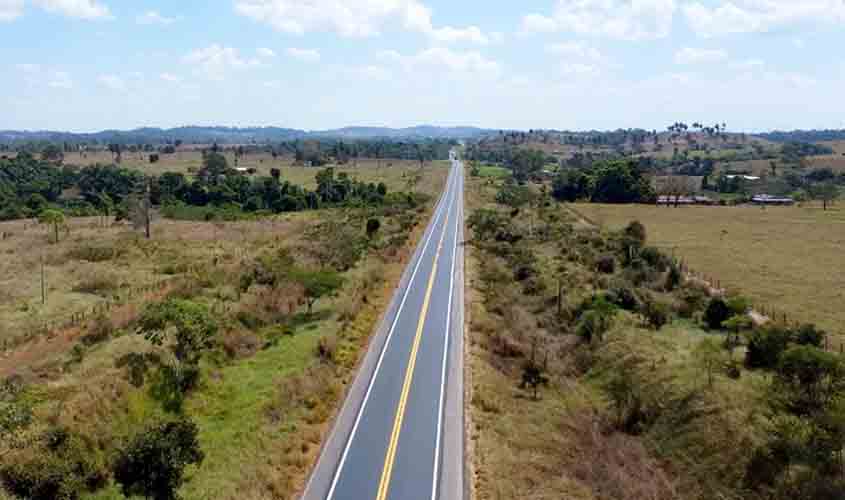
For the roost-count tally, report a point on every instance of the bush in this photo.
(765, 346)
(327, 347)
(624, 296)
(692, 299)
(606, 264)
(674, 279)
(96, 253)
(100, 283)
(657, 313)
(151, 465)
(738, 306)
(717, 313)
(808, 334)
(100, 330)
(655, 258)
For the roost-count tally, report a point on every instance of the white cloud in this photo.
(748, 64)
(353, 18)
(578, 50)
(448, 34)
(215, 61)
(579, 69)
(618, 19)
(538, 23)
(112, 82)
(462, 62)
(170, 78)
(699, 56)
(80, 9)
(265, 52)
(304, 55)
(60, 80)
(798, 43)
(10, 10)
(749, 16)
(154, 17)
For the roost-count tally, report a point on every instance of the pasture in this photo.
(787, 258)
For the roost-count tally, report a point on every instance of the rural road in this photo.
(400, 432)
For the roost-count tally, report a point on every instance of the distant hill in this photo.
(233, 135)
(804, 135)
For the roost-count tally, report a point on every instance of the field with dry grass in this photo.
(786, 258)
(190, 161)
(271, 383)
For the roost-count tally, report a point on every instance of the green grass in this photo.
(493, 171)
(234, 431)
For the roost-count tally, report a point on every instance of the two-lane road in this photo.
(399, 435)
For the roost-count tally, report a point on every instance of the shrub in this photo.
(655, 258)
(624, 296)
(765, 346)
(100, 283)
(151, 465)
(808, 334)
(636, 232)
(100, 330)
(692, 299)
(606, 264)
(674, 278)
(327, 347)
(738, 305)
(657, 313)
(717, 313)
(96, 253)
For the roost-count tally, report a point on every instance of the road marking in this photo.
(434, 477)
(390, 457)
(336, 478)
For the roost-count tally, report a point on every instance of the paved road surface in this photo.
(399, 435)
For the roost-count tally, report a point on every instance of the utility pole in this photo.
(43, 284)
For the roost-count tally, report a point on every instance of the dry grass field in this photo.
(190, 161)
(790, 259)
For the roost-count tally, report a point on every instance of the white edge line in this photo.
(342, 462)
(435, 478)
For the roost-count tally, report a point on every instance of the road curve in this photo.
(399, 435)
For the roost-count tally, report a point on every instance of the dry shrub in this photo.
(99, 331)
(316, 388)
(240, 344)
(327, 348)
(274, 304)
(614, 465)
(96, 253)
(100, 283)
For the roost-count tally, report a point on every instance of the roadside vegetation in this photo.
(600, 370)
(215, 352)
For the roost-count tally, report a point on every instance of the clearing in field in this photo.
(787, 258)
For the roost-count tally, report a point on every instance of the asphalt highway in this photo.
(399, 435)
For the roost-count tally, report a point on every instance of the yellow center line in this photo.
(384, 484)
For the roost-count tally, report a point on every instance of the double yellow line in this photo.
(384, 484)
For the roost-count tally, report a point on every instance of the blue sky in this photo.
(86, 65)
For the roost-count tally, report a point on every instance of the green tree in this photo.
(152, 464)
(709, 356)
(826, 192)
(190, 323)
(317, 284)
(55, 219)
(571, 185)
(717, 312)
(621, 181)
(811, 380)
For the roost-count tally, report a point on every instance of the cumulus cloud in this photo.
(112, 82)
(578, 50)
(215, 61)
(353, 18)
(80, 9)
(10, 10)
(441, 58)
(749, 16)
(266, 53)
(304, 55)
(698, 56)
(154, 17)
(618, 19)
